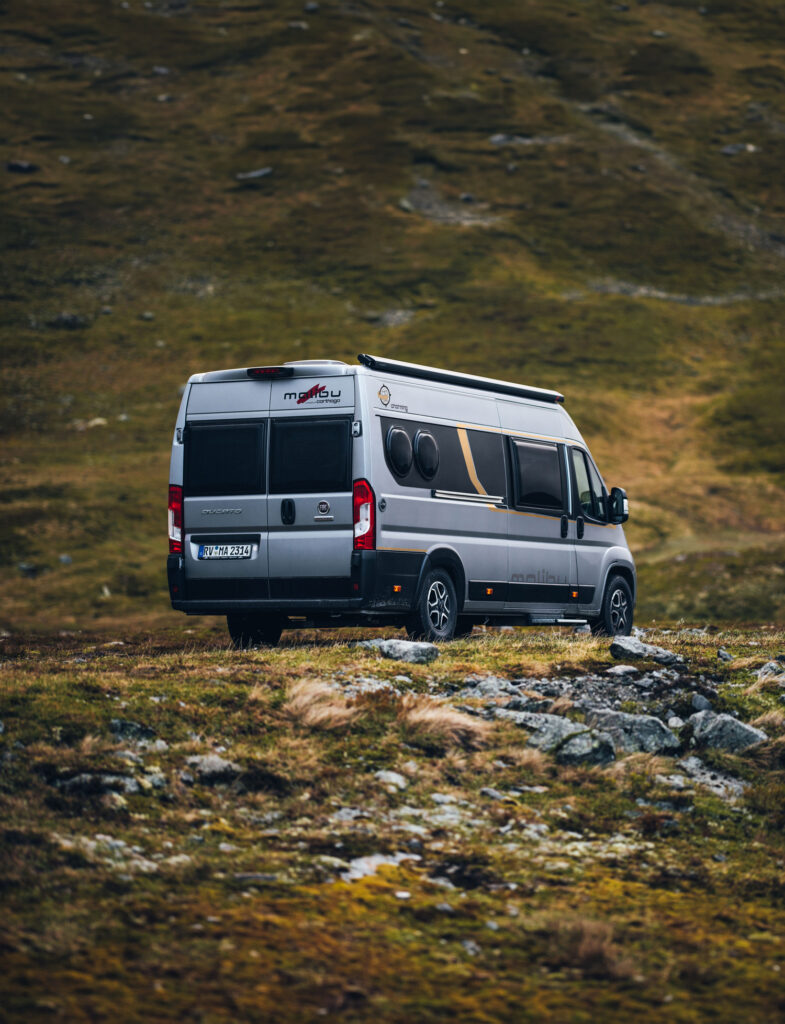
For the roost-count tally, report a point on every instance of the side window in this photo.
(538, 475)
(582, 485)
(591, 497)
(598, 494)
(444, 458)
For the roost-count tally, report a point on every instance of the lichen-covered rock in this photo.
(587, 747)
(771, 668)
(635, 733)
(414, 651)
(90, 783)
(723, 731)
(547, 731)
(125, 729)
(212, 769)
(631, 647)
(392, 780)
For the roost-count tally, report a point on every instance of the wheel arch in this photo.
(626, 573)
(447, 559)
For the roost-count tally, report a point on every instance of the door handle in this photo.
(580, 522)
(287, 511)
(565, 525)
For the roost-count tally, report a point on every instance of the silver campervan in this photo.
(322, 494)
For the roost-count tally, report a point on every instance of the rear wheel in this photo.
(251, 629)
(435, 613)
(615, 617)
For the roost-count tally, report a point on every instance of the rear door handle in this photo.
(580, 522)
(565, 525)
(287, 511)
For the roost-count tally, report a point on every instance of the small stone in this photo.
(587, 747)
(443, 798)
(700, 703)
(403, 894)
(64, 559)
(68, 321)
(631, 647)
(415, 652)
(147, 315)
(674, 722)
(212, 769)
(159, 69)
(622, 670)
(471, 947)
(659, 33)
(584, 628)
(492, 794)
(771, 668)
(311, 7)
(28, 570)
(21, 167)
(724, 655)
(394, 779)
(260, 172)
(125, 729)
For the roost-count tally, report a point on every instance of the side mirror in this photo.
(619, 506)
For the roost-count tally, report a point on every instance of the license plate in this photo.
(224, 550)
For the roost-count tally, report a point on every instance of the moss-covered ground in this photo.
(572, 894)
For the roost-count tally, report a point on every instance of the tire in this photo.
(464, 627)
(249, 630)
(435, 614)
(615, 617)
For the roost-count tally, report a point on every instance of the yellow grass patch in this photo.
(431, 718)
(317, 706)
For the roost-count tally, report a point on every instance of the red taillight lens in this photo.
(364, 515)
(270, 372)
(175, 520)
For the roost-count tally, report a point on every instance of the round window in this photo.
(399, 451)
(426, 452)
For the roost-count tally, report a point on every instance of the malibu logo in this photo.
(318, 394)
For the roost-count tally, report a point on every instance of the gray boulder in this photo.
(489, 686)
(771, 668)
(631, 647)
(415, 652)
(723, 731)
(211, 769)
(635, 733)
(569, 742)
(586, 747)
(92, 783)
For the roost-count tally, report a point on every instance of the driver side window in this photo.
(589, 487)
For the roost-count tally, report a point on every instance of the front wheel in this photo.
(249, 630)
(435, 613)
(615, 617)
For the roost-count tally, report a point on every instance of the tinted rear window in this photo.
(310, 456)
(224, 459)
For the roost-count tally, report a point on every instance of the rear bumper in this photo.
(380, 582)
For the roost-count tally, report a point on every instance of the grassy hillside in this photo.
(577, 194)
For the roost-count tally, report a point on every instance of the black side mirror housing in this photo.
(619, 506)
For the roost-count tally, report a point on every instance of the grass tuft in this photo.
(317, 706)
(425, 719)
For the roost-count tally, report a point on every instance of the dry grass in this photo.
(587, 945)
(771, 721)
(645, 765)
(317, 706)
(430, 719)
(561, 705)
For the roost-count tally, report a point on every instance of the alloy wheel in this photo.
(438, 602)
(619, 611)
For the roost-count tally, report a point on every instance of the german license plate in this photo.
(224, 550)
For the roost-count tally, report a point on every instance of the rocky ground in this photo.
(516, 826)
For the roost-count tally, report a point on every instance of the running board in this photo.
(549, 620)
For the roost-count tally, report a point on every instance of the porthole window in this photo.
(399, 451)
(426, 452)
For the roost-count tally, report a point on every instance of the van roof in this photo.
(334, 367)
(466, 380)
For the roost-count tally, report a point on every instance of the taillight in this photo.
(364, 515)
(175, 520)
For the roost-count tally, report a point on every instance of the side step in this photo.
(538, 620)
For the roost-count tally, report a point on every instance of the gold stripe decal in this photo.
(463, 437)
